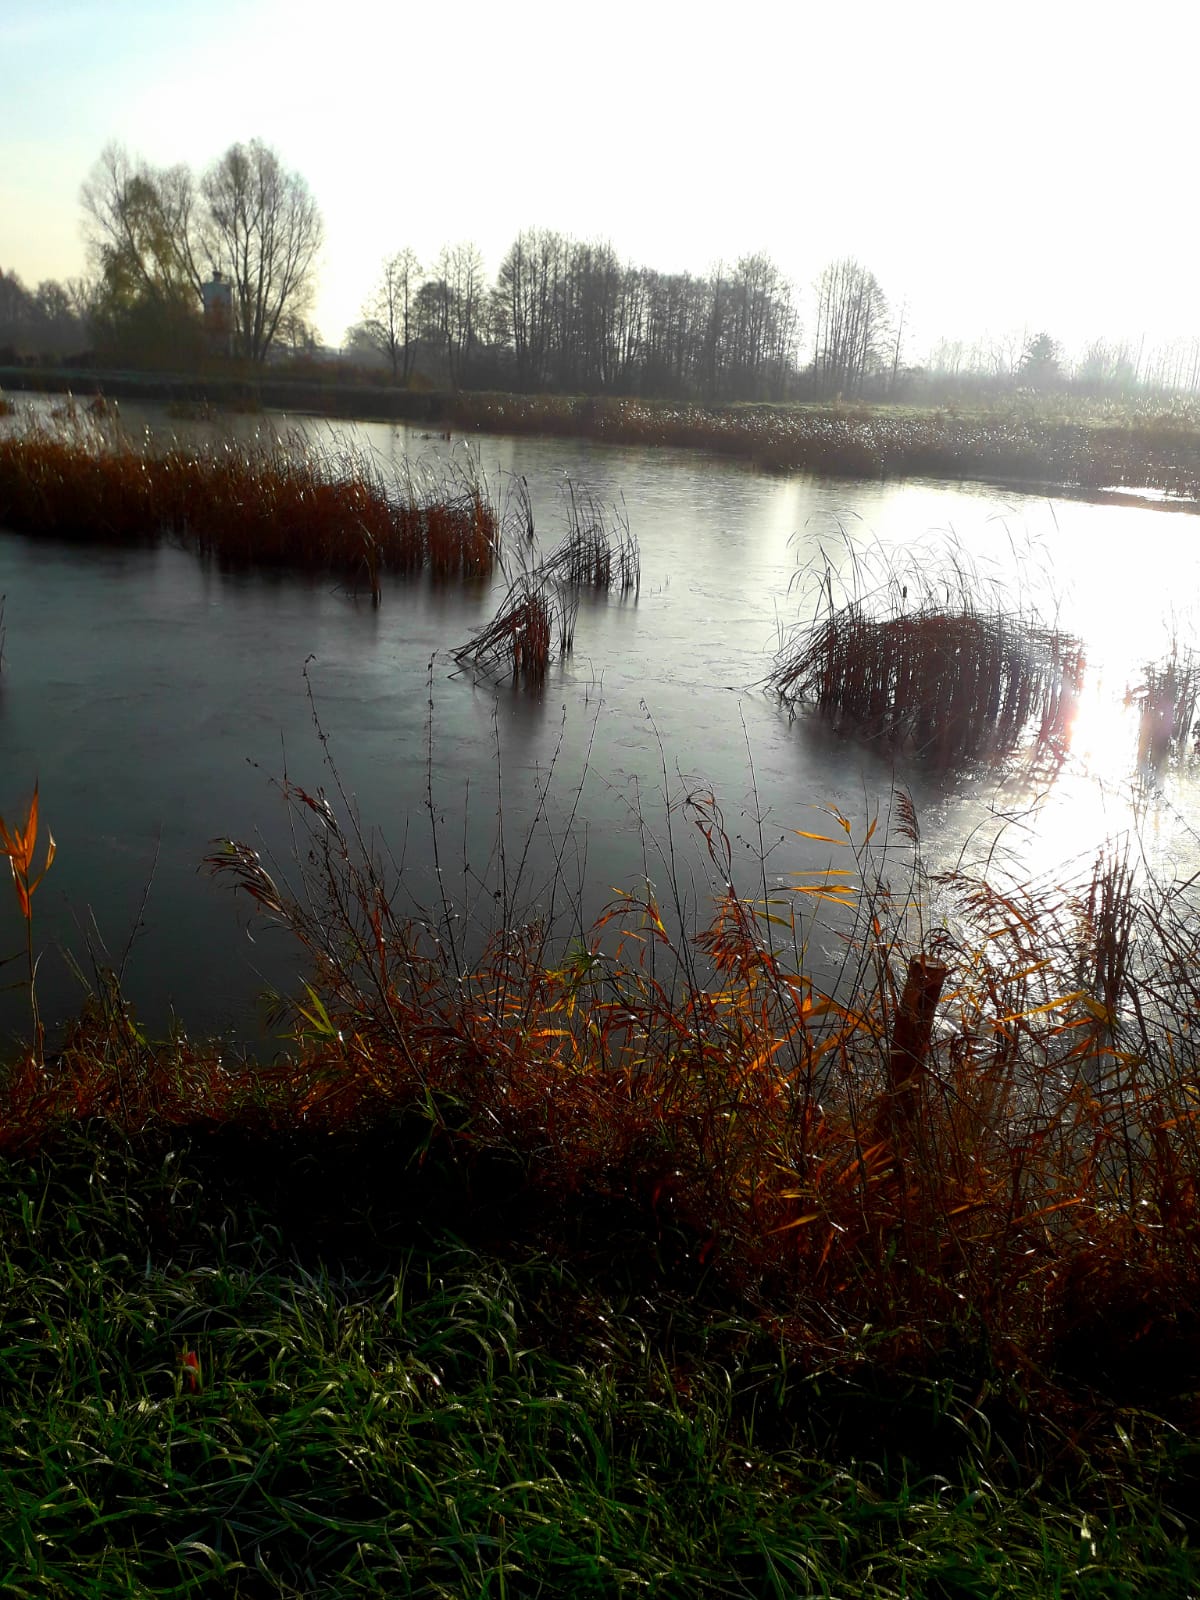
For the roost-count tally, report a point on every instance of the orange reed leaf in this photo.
(1048, 1005)
(799, 1222)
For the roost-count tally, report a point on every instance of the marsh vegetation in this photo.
(267, 501)
(774, 1226)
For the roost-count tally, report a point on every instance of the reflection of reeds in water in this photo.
(952, 684)
(1167, 704)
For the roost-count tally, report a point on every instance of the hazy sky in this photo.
(997, 166)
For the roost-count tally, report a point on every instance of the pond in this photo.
(157, 700)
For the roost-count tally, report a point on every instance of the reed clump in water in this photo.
(917, 648)
(536, 619)
(1167, 702)
(534, 624)
(270, 502)
(950, 685)
(599, 552)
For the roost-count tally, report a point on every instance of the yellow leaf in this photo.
(799, 1222)
(1050, 1005)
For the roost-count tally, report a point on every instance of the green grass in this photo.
(396, 1412)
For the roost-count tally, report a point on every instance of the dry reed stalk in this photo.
(281, 502)
(953, 685)
(536, 621)
(1167, 704)
(599, 551)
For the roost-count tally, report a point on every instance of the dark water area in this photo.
(155, 698)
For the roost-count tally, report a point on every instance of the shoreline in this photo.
(1120, 454)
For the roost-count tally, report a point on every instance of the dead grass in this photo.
(1027, 439)
(535, 623)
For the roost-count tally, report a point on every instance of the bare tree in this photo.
(528, 291)
(461, 304)
(389, 316)
(1109, 366)
(264, 229)
(851, 327)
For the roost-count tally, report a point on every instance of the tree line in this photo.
(561, 315)
(566, 315)
(155, 236)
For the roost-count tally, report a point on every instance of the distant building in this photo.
(217, 296)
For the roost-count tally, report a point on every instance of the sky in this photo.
(999, 168)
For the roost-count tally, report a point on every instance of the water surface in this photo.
(155, 698)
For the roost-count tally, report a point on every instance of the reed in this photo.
(917, 649)
(1167, 701)
(599, 552)
(948, 685)
(534, 624)
(267, 502)
(699, 1077)
(958, 1163)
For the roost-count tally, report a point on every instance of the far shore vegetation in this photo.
(1059, 442)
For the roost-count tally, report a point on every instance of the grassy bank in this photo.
(219, 1380)
(630, 1263)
